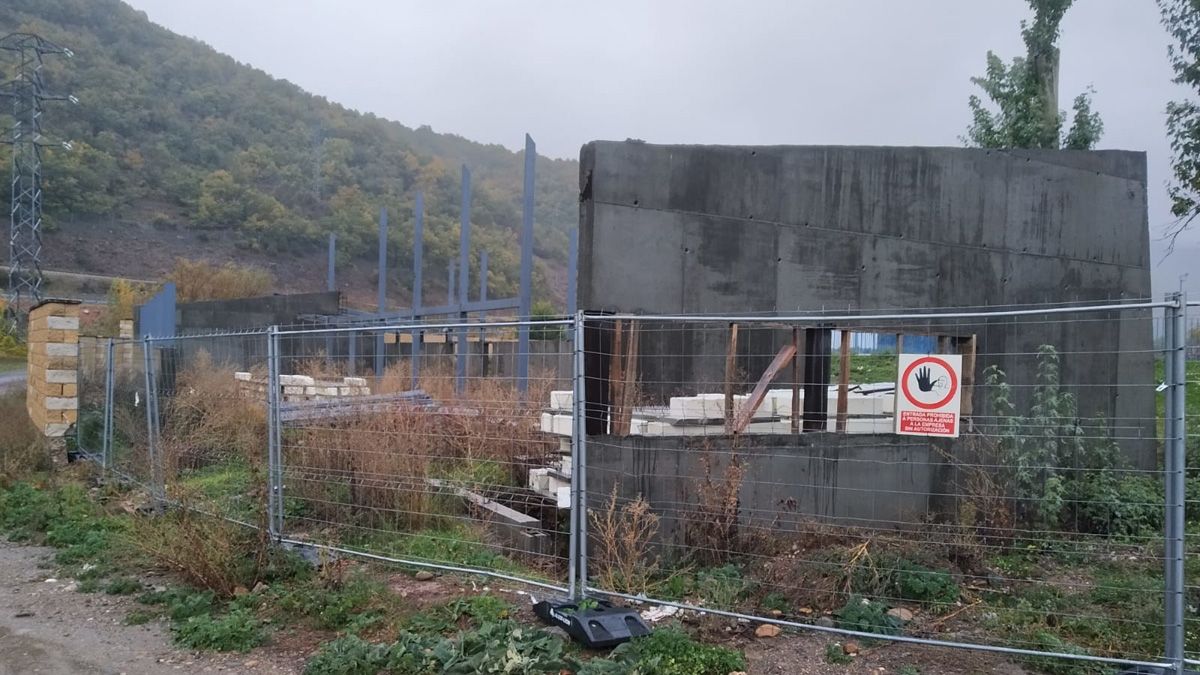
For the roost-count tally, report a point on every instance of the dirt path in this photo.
(46, 626)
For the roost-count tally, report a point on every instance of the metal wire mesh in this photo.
(1039, 528)
(436, 459)
(743, 466)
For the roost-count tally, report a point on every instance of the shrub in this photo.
(332, 608)
(238, 630)
(624, 535)
(860, 614)
(208, 553)
(918, 583)
(671, 651)
(22, 449)
(201, 280)
(1113, 503)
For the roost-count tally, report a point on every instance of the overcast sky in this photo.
(884, 72)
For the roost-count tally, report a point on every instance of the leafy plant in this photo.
(912, 581)
(721, 587)
(332, 608)
(237, 630)
(671, 651)
(861, 614)
(837, 656)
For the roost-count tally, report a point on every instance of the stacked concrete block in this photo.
(295, 388)
(52, 387)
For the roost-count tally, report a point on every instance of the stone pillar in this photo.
(52, 396)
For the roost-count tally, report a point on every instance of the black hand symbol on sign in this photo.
(924, 382)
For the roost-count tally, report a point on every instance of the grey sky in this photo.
(885, 72)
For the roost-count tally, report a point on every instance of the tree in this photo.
(1182, 20)
(1025, 94)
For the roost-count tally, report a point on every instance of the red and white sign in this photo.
(928, 394)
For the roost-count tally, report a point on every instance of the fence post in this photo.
(576, 569)
(1175, 457)
(157, 487)
(109, 385)
(274, 475)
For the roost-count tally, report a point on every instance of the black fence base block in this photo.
(597, 625)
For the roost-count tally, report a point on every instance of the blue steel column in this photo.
(525, 299)
(382, 299)
(464, 279)
(330, 285)
(483, 279)
(330, 264)
(418, 263)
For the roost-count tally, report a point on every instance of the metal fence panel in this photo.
(742, 465)
(453, 471)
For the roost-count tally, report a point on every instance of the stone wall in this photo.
(52, 378)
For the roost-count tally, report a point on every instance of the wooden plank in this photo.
(797, 379)
(967, 348)
(615, 377)
(943, 344)
(760, 390)
(843, 400)
(629, 383)
(899, 343)
(730, 375)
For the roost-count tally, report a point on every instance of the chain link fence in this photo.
(741, 467)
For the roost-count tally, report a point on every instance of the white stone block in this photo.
(293, 391)
(700, 407)
(56, 429)
(354, 381)
(327, 391)
(344, 391)
(62, 349)
(556, 424)
(297, 380)
(61, 403)
(564, 498)
(242, 376)
(562, 400)
(62, 376)
(62, 322)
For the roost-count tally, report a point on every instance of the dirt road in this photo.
(46, 626)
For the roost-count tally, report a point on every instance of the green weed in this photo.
(834, 654)
(237, 630)
(860, 614)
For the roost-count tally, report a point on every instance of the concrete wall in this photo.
(868, 481)
(51, 395)
(716, 229)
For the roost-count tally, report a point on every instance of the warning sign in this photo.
(927, 395)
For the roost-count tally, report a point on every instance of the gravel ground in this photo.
(46, 626)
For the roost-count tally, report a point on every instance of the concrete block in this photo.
(242, 376)
(556, 424)
(62, 322)
(297, 380)
(71, 350)
(699, 407)
(61, 403)
(55, 429)
(293, 391)
(354, 381)
(562, 400)
(61, 376)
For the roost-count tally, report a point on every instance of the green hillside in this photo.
(173, 135)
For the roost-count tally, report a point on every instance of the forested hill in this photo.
(172, 136)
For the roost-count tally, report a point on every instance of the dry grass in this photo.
(208, 419)
(376, 469)
(624, 535)
(207, 552)
(711, 524)
(22, 449)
